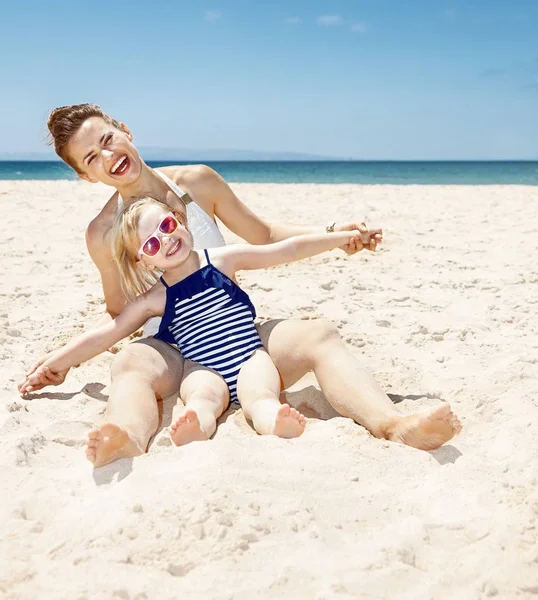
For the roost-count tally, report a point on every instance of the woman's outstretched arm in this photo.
(207, 184)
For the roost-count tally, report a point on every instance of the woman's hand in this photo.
(40, 376)
(369, 238)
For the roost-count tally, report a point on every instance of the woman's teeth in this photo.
(119, 167)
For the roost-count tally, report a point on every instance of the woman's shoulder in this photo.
(198, 181)
(191, 176)
(100, 225)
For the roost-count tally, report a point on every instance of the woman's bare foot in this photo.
(427, 430)
(187, 429)
(108, 443)
(289, 423)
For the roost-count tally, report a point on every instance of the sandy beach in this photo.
(444, 310)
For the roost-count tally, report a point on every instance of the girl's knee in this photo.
(258, 400)
(210, 398)
(205, 390)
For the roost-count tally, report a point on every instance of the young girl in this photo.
(204, 313)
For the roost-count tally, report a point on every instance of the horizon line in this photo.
(269, 160)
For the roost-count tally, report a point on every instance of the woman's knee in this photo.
(317, 341)
(136, 358)
(320, 332)
(152, 363)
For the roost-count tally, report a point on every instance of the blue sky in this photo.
(367, 79)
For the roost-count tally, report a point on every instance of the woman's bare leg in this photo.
(139, 373)
(297, 347)
(258, 391)
(206, 397)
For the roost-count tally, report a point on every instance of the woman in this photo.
(100, 149)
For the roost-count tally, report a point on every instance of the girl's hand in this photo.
(39, 376)
(369, 238)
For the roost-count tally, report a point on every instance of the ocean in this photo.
(363, 172)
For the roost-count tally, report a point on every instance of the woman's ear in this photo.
(127, 131)
(87, 178)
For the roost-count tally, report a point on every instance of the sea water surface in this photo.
(363, 172)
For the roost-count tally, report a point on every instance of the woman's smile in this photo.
(120, 166)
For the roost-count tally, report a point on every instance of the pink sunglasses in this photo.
(152, 245)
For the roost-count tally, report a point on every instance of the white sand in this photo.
(446, 309)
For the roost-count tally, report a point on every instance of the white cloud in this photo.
(212, 15)
(329, 20)
(360, 26)
(292, 20)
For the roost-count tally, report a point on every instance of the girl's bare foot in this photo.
(187, 429)
(108, 443)
(427, 430)
(289, 423)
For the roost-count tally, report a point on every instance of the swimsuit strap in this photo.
(175, 188)
(120, 204)
(207, 256)
(164, 282)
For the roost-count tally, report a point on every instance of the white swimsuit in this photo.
(204, 230)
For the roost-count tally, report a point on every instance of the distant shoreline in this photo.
(364, 172)
(300, 160)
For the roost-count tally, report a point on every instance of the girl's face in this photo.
(104, 153)
(163, 236)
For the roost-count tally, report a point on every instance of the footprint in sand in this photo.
(27, 448)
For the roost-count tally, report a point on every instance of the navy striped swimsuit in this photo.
(211, 320)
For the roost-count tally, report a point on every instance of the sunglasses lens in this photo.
(168, 225)
(151, 247)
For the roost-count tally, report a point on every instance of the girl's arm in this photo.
(98, 340)
(244, 257)
(216, 197)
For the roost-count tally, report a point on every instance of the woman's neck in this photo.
(148, 184)
(189, 266)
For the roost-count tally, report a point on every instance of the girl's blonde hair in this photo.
(126, 243)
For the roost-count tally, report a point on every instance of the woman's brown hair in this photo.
(65, 121)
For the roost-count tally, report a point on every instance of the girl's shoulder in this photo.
(155, 298)
(157, 290)
(223, 258)
(216, 254)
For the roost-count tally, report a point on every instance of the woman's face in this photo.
(104, 153)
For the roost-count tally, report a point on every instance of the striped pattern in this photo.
(213, 329)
